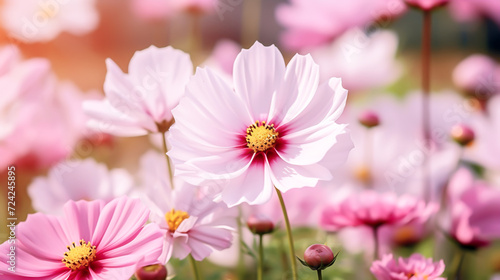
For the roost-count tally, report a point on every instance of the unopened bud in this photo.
(260, 224)
(462, 134)
(318, 257)
(368, 119)
(152, 272)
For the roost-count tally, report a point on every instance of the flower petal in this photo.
(258, 74)
(254, 186)
(286, 176)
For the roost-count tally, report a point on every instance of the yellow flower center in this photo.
(80, 256)
(410, 275)
(363, 174)
(174, 218)
(261, 136)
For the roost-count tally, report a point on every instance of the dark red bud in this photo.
(318, 255)
(368, 119)
(260, 224)
(152, 272)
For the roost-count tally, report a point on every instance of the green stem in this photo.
(194, 268)
(375, 243)
(456, 265)
(260, 266)
(320, 277)
(169, 166)
(289, 234)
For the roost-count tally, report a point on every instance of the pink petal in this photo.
(81, 219)
(327, 105)
(254, 186)
(286, 176)
(258, 74)
(309, 146)
(298, 89)
(120, 220)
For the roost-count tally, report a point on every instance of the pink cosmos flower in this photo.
(474, 208)
(373, 209)
(465, 10)
(363, 61)
(141, 101)
(275, 128)
(416, 267)
(93, 240)
(33, 20)
(191, 222)
(312, 23)
(77, 180)
(479, 75)
(427, 4)
(41, 118)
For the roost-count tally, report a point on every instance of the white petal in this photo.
(258, 74)
(286, 176)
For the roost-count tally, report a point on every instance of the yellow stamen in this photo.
(174, 218)
(261, 136)
(80, 256)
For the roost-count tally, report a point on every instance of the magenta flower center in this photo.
(174, 219)
(80, 256)
(261, 136)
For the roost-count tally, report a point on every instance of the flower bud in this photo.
(260, 224)
(152, 272)
(368, 119)
(462, 134)
(318, 257)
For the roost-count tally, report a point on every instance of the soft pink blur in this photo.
(416, 267)
(474, 209)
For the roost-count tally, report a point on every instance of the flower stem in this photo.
(375, 243)
(456, 265)
(320, 277)
(260, 266)
(169, 166)
(194, 268)
(289, 234)
(426, 70)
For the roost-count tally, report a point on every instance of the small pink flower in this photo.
(33, 20)
(192, 223)
(274, 127)
(311, 23)
(479, 75)
(94, 241)
(42, 120)
(141, 101)
(373, 209)
(416, 267)
(474, 210)
(77, 180)
(426, 4)
(223, 56)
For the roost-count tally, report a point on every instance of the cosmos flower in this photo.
(141, 101)
(93, 240)
(474, 209)
(274, 128)
(77, 180)
(478, 75)
(41, 120)
(373, 209)
(33, 20)
(416, 267)
(191, 222)
(310, 23)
